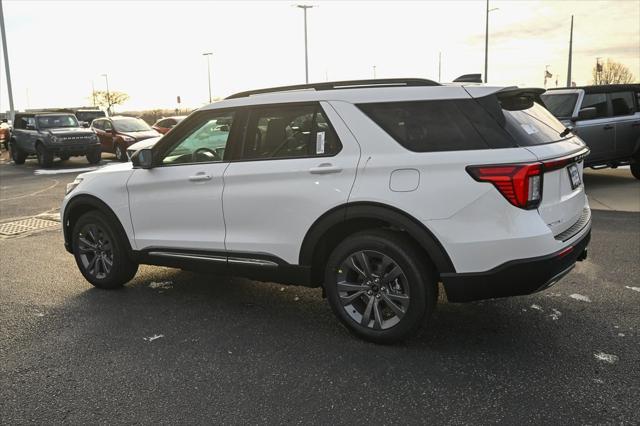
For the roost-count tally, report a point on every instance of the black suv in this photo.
(51, 134)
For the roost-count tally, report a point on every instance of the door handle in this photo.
(200, 177)
(608, 127)
(324, 169)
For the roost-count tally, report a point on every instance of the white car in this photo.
(375, 190)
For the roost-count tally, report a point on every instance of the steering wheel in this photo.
(205, 152)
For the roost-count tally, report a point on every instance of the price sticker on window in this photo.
(320, 143)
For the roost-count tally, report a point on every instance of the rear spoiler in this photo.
(517, 97)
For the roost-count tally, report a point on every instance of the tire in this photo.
(65, 157)
(45, 158)
(17, 155)
(96, 241)
(94, 157)
(635, 170)
(121, 153)
(397, 292)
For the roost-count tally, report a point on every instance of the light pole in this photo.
(486, 42)
(208, 55)
(374, 72)
(6, 64)
(106, 79)
(304, 7)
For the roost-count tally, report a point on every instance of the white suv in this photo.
(375, 190)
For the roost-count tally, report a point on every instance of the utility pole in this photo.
(208, 55)
(440, 66)
(374, 72)
(106, 79)
(598, 71)
(304, 7)
(570, 53)
(6, 64)
(486, 42)
(93, 93)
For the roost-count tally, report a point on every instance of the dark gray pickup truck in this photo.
(52, 134)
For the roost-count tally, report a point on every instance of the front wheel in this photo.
(379, 285)
(94, 157)
(635, 170)
(45, 158)
(121, 154)
(100, 252)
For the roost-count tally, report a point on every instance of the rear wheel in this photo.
(101, 252)
(379, 286)
(17, 155)
(94, 156)
(635, 170)
(45, 158)
(121, 154)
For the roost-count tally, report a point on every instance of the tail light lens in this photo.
(520, 184)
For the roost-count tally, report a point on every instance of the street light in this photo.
(486, 42)
(304, 7)
(6, 64)
(208, 55)
(106, 79)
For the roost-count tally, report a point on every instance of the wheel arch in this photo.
(342, 221)
(82, 204)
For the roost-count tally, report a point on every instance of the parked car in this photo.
(607, 118)
(147, 143)
(86, 116)
(165, 124)
(48, 135)
(116, 134)
(374, 190)
(5, 134)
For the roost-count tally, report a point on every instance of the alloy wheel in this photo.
(373, 289)
(95, 251)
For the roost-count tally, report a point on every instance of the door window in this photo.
(97, 124)
(622, 103)
(107, 126)
(598, 101)
(289, 132)
(205, 144)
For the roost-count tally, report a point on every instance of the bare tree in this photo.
(611, 72)
(108, 100)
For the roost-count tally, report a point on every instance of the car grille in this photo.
(583, 220)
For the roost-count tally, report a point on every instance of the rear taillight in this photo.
(520, 184)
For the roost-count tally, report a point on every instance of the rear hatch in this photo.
(522, 115)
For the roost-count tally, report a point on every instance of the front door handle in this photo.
(200, 177)
(325, 168)
(608, 127)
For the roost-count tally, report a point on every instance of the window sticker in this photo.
(320, 143)
(529, 129)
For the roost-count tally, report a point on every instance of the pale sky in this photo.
(152, 50)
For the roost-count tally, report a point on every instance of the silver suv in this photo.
(607, 118)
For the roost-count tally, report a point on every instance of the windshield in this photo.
(561, 105)
(89, 116)
(130, 125)
(55, 121)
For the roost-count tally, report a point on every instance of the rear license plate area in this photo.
(574, 176)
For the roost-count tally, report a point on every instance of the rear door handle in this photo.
(325, 168)
(608, 127)
(200, 177)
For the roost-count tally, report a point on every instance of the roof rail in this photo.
(347, 84)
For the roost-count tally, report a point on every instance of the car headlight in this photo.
(71, 186)
(128, 139)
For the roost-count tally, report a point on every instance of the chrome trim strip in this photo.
(253, 262)
(188, 256)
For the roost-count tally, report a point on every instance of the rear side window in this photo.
(597, 101)
(289, 132)
(622, 103)
(442, 125)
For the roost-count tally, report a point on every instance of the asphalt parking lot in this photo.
(176, 347)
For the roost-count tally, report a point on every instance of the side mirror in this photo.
(588, 113)
(30, 127)
(143, 158)
(85, 124)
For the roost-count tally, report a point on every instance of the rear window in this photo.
(442, 125)
(533, 126)
(561, 105)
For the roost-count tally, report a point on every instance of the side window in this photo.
(20, 122)
(205, 144)
(289, 132)
(163, 123)
(598, 101)
(98, 124)
(106, 126)
(622, 103)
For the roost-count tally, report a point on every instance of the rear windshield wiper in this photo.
(566, 131)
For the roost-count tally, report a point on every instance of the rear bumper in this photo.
(517, 277)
